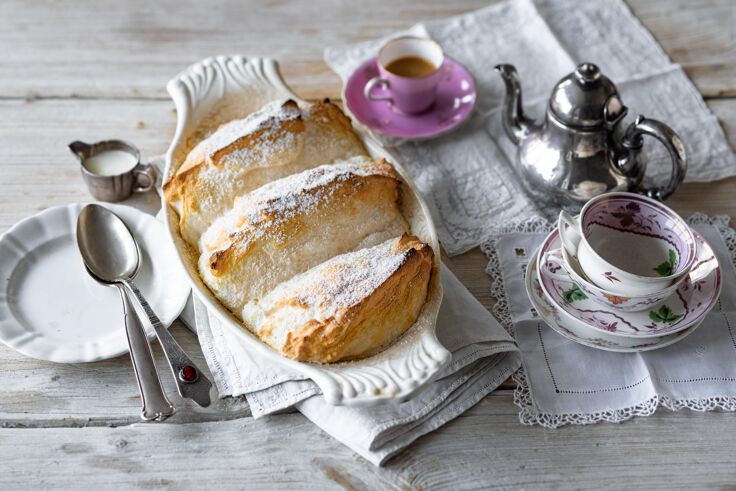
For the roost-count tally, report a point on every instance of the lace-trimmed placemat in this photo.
(561, 382)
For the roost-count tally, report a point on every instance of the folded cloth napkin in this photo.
(544, 40)
(562, 382)
(483, 356)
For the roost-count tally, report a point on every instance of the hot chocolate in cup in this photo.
(409, 70)
(629, 244)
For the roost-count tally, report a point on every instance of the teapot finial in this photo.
(516, 124)
(587, 73)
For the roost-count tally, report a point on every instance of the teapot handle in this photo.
(633, 141)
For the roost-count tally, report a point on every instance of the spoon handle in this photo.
(156, 407)
(190, 381)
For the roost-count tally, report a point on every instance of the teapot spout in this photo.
(516, 124)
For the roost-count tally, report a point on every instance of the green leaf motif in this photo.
(664, 314)
(667, 267)
(573, 294)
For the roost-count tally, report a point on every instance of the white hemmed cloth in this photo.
(562, 382)
(483, 356)
(544, 40)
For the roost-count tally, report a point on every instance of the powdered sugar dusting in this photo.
(268, 116)
(285, 198)
(285, 193)
(345, 280)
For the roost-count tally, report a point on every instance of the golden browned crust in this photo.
(325, 114)
(379, 184)
(293, 139)
(185, 180)
(377, 320)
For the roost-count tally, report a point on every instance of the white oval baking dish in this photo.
(223, 88)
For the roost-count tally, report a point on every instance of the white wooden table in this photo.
(75, 70)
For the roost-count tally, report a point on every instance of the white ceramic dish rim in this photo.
(36, 347)
(696, 321)
(396, 373)
(532, 266)
(666, 209)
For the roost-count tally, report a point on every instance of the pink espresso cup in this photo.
(410, 95)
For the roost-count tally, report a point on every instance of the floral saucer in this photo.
(456, 95)
(583, 333)
(689, 304)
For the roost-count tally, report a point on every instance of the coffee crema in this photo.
(411, 67)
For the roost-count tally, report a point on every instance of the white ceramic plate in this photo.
(581, 333)
(223, 88)
(51, 309)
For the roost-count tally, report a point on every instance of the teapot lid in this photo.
(586, 98)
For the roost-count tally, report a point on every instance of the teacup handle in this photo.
(554, 257)
(569, 235)
(147, 174)
(372, 83)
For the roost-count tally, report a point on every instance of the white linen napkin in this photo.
(562, 382)
(483, 356)
(544, 39)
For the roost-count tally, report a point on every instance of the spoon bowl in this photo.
(108, 248)
(111, 254)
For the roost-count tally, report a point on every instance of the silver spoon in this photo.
(111, 254)
(155, 404)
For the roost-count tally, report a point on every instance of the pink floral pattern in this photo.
(677, 312)
(551, 315)
(638, 216)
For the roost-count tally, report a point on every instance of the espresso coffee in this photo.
(411, 67)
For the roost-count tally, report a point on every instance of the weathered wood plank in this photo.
(132, 48)
(484, 448)
(697, 34)
(44, 394)
(38, 171)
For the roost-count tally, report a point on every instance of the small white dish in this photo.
(51, 309)
(584, 334)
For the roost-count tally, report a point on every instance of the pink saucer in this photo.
(455, 101)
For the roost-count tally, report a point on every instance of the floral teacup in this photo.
(558, 264)
(629, 244)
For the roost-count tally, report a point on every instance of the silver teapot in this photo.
(577, 152)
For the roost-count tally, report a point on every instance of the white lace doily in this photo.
(531, 412)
